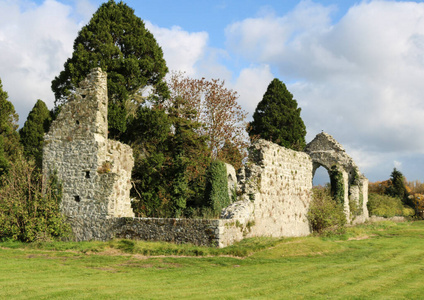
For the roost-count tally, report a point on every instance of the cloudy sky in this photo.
(356, 68)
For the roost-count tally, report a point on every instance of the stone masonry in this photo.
(274, 187)
(325, 151)
(95, 172)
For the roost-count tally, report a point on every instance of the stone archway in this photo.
(325, 151)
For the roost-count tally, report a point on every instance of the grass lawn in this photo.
(379, 261)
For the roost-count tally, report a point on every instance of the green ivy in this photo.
(216, 191)
(337, 186)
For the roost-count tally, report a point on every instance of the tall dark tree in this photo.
(397, 187)
(32, 133)
(277, 118)
(116, 40)
(9, 137)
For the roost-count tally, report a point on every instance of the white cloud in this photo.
(359, 79)
(181, 49)
(35, 42)
(251, 85)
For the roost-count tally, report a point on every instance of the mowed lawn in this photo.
(378, 261)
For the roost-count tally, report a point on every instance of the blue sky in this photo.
(356, 68)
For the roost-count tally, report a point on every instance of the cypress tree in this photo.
(9, 137)
(277, 118)
(32, 133)
(116, 40)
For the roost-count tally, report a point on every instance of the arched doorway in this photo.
(347, 183)
(321, 177)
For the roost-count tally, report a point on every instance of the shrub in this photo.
(216, 191)
(325, 215)
(387, 206)
(26, 213)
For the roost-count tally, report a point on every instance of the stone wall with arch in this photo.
(326, 152)
(274, 187)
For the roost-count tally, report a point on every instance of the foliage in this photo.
(149, 139)
(387, 206)
(277, 118)
(325, 214)
(378, 187)
(170, 163)
(337, 186)
(116, 40)
(397, 187)
(216, 191)
(415, 187)
(215, 108)
(26, 213)
(32, 133)
(9, 137)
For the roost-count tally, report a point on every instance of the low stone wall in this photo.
(216, 233)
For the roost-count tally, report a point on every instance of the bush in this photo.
(26, 213)
(325, 215)
(387, 206)
(216, 191)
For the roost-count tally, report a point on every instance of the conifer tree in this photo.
(9, 137)
(397, 187)
(277, 118)
(116, 40)
(32, 133)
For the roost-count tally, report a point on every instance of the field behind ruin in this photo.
(379, 261)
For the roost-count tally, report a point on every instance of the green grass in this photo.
(378, 261)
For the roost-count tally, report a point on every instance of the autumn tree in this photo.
(9, 137)
(216, 109)
(277, 118)
(116, 40)
(32, 133)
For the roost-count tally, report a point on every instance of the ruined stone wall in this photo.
(276, 185)
(95, 172)
(325, 151)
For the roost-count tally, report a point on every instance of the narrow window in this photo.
(87, 174)
(77, 199)
(77, 122)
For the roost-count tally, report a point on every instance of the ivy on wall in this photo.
(337, 186)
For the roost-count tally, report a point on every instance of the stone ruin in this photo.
(325, 151)
(95, 172)
(274, 186)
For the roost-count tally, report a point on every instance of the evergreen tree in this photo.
(9, 137)
(117, 41)
(397, 187)
(190, 155)
(32, 133)
(277, 118)
(170, 162)
(148, 136)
